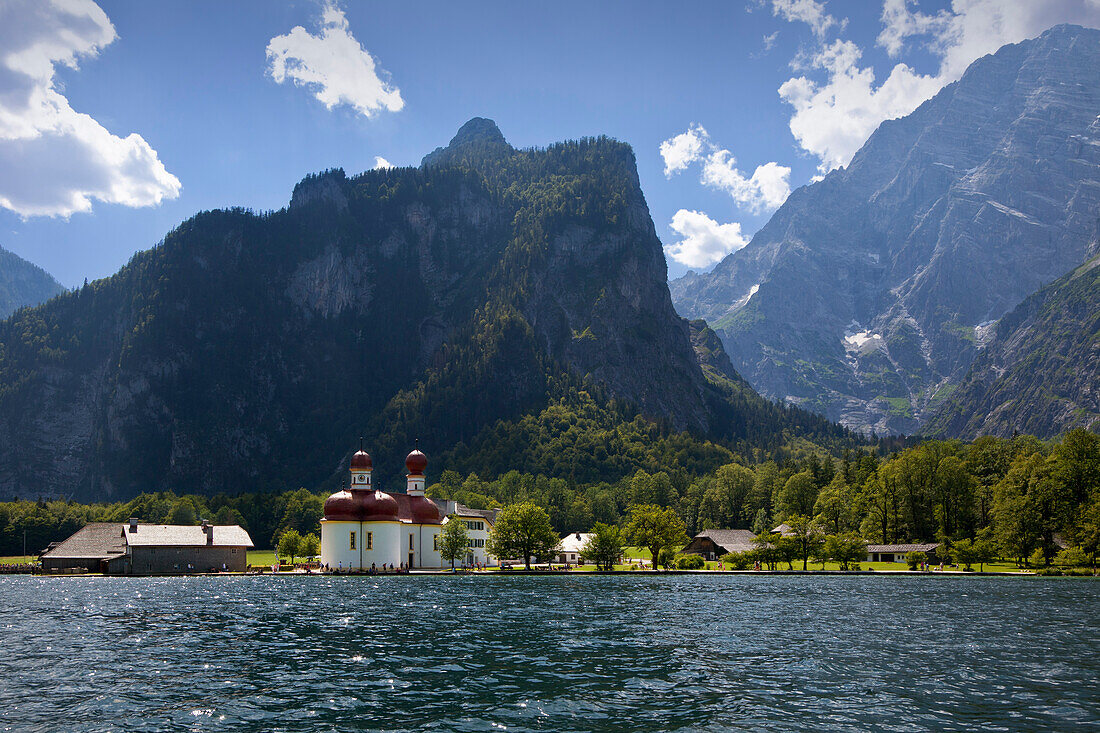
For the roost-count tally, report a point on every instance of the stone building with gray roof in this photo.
(151, 549)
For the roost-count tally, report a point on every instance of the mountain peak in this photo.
(477, 136)
(478, 129)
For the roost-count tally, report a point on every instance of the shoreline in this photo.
(559, 573)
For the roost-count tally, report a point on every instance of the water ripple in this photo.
(549, 653)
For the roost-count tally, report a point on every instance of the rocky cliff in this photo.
(22, 283)
(1040, 372)
(440, 302)
(868, 294)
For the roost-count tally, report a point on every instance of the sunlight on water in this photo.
(549, 653)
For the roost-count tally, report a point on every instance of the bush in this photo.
(1071, 557)
(914, 559)
(690, 562)
(738, 560)
(1037, 559)
(666, 559)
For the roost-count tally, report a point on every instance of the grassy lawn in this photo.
(262, 557)
(18, 559)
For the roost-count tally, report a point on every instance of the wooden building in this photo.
(713, 543)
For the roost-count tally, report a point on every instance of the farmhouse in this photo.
(713, 543)
(150, 549)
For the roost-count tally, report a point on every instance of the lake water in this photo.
(559, 653)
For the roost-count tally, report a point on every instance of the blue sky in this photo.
(195, 81)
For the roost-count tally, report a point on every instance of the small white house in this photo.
(569, 549)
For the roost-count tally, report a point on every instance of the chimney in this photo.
(208, 530)
(133, 524)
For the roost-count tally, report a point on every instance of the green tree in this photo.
(603, 547)
(183, 512)
(522, 530)
(761, 523)
(848, 549)
(290, 544)
(454, 540)
(964, 553)
(655, 528)
(666, 558)
(311, 545)
(797, 496)
(806, 535)
(915, 558)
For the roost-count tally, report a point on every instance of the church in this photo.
(364, 527)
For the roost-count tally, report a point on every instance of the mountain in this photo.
(1040, 373)
(22, 283)
(507, 307)
(868, 294)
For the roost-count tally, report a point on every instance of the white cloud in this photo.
(380, 162)
(705, 241)
(973, 28)
(53, 159)
(810, 12)
(768, 187)
(684, 149)
(833, 118)
(333, 66)
(769, 40)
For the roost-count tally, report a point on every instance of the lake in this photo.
(555, 653)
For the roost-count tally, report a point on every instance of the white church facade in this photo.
(364, 528)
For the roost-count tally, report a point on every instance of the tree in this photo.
(655, 528)
(848, 549)
(985, 548)
(805, 536)
(522, 530)
(311, 545)
(183, 512)
(766, 549)
(915, 558)
(797, 496)
(835, 506)
(666, 558)
(290, 544)
(454, 540)
(603, 547)
(963, 552)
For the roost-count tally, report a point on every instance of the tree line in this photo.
(1020, 496)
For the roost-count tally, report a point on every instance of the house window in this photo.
(370, 540)
(411, 542)
(435, 542)
(351, 540)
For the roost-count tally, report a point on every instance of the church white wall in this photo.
(424, 540)
(336, 549)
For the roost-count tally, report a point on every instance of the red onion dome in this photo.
(424, 510)
(416, 462)
(361, 461)
(360, 506)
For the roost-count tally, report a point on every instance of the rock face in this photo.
(868, 294)
(22, 283)
(248, 352)
(1040, 373)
